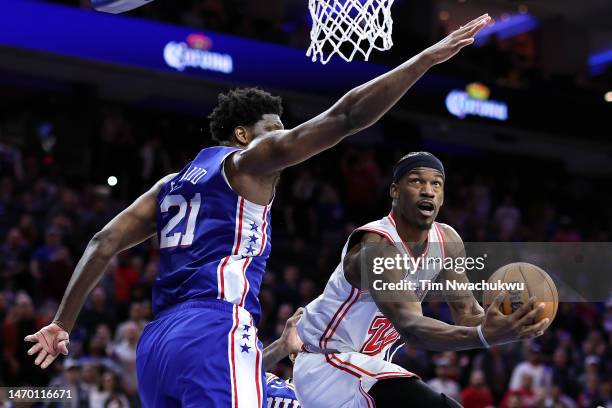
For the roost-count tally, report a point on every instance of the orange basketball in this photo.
(536, 282)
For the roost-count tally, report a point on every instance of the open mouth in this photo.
(426, 208)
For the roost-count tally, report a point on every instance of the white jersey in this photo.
(346, 319)
(346, 338)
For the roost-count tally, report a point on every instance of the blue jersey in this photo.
(213, 243)
(281, 393)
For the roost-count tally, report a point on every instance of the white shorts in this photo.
(340, 380)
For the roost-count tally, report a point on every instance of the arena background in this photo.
(91, 115)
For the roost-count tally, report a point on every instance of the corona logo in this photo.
(474, 101)
(196, 53)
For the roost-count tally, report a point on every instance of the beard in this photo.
(423, 225)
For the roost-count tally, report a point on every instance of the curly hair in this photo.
(241, 107)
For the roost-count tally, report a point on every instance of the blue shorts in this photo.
(201, 353)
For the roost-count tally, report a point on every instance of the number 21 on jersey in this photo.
(184, 237)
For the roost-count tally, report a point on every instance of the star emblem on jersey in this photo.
(245, 348)
(254, 226)
(246, 336)
(250, 250)
(253, 239)
(246, 327)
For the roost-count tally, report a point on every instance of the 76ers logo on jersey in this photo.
(381, 334)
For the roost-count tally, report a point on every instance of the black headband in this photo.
(416, 159)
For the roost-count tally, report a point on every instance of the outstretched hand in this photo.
(455, 41)
(49, 341)
(498, 328)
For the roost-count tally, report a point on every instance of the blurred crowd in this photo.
(54, 197)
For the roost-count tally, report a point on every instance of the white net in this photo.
(349, 27)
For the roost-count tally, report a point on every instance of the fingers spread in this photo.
(41, 356)
(48, 361)
(35, 349)
(31, 338)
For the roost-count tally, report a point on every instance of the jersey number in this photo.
(168, 240)
(382, 333)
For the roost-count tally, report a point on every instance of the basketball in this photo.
(536, 283)
(305, 203)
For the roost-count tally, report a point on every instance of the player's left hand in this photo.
(290, 341)
(455, 41)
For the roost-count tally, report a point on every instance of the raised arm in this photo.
(132, 226)
(403, 309)
(358, 109)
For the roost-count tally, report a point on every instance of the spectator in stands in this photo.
(330, 215)
(477, 394)
(90, 375)
(125, 276)
(51, 251)
(534, 368)
(525, 391)
(299, 213)
(136, 316)
(71, 379)
(14, 257)
(20, 321)
(514, 399)
(108, 394)
(563, 373)
(125, 353)
(98, 312)
(442, 382)
(9, 207)
(556, 398)
(414, 360)
(155, 161)
(493, 363)
(10, 158)
(308, 291)
(590, 394)
(507, 219)
(288, 289)
(591, 368)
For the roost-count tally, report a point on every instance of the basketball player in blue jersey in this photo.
(281, 393)
(212, 221)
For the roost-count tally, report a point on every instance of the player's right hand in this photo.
(499, 328)
(49, 342)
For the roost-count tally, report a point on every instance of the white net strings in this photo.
(363, 25)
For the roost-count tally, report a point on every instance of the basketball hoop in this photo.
(348, 27)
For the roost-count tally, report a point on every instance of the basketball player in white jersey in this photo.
(349, 329)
